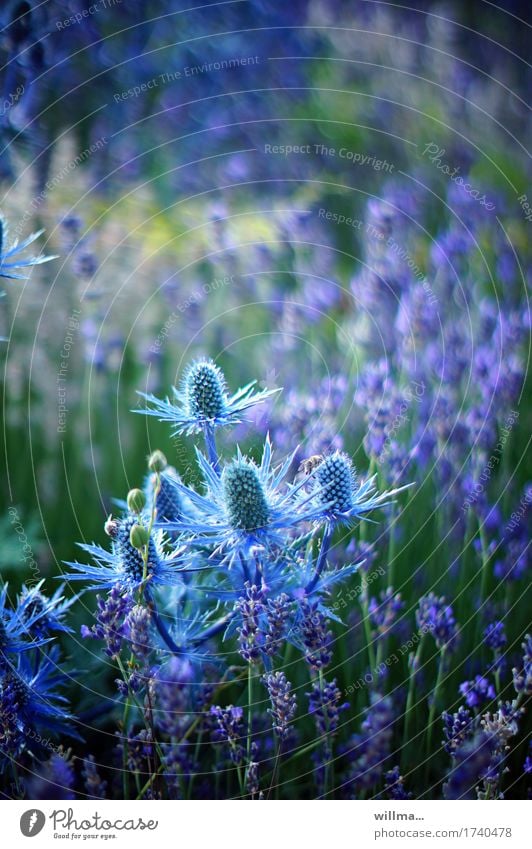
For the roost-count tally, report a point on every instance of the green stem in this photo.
(414, 666)
(434, 704)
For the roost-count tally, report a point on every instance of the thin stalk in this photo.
(414, 666)
(434, 704)
(327, 742)
(322, 558)
(210, 445)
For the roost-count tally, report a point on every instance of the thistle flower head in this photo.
(205, 391)
(336, 478)
(246, 505)
(340, 494)
(203, 400)
(9, 264)
(123, 566)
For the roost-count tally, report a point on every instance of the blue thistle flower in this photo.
(123, 566)
(8, 264)
(341, 496)
(244, 507)
(16, 626)
(30, 690)
(203, 400)
(41, 614)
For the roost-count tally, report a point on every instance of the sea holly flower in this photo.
(244, 506)
(123, 566)
(203, 400)
(16, 629)
(31, 688)
(41, 614)
(9, 263)
(340, 494)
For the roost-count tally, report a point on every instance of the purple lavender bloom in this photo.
(394, 785)
(110, 625)
(385, 610)
(229, 729)
(250, 607)
(278, 613)
(94, 785)
(324, 705)
(283, 702)
(435, 616)
(457, 728)
(137, 630)
(370, 749)
(522, 676)
(495, 639)
(317, 639)
(470, 762)
(477, 692)
(54, 779)
(173, 694)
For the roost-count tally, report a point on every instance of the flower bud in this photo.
(136, 501)
(157, 462)
(111, 527)
(139, 536)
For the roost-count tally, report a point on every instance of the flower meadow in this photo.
(266, 420)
